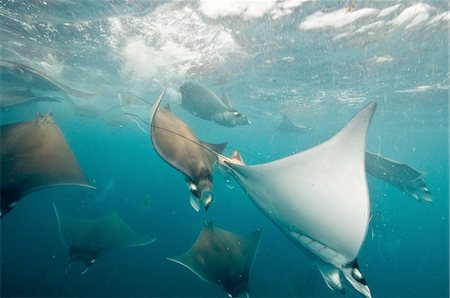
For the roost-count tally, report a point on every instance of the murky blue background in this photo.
(321, 61)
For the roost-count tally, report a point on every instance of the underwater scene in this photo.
(224, 148)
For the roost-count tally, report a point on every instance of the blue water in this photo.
(321, 61)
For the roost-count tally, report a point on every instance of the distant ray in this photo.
(35, 155)
(222, 258)
(318, 198)
(398, 174)
(287, 125)
(9, 98)
(17, 74)
(87, 239)
(177, 144)
(203, 103)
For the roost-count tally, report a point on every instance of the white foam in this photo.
(248, 10)
(145, 62)
(381, 59)
(292, 3)
(225, 8)
(442, 17)
(418, 89)
(371, 26)
(369, 29)
(117, 29)
(425, 88)
(169, 43)
(413, 15)
(343, 35)
(288, 59)
(387, 11)
(284, 8)
(258, 9)
(51, 66)
(350, 96)
(335, 19)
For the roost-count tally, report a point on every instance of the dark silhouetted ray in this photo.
(204, 104)
(319, 198)
(87, 239)
(177, 144)
(398, 174)
(222, 258)
(35, 155)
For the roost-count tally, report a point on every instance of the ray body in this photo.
(204, 104)
(87, 239)
(35, 155)
(318, 197)
(177, 144)
(222, 258)
(398, 174)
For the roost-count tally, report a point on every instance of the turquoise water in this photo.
(319, 61)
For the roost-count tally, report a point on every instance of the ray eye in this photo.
(236, 114)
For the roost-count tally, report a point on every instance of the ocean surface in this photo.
(318, 61)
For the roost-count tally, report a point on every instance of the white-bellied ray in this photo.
(319, 198)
